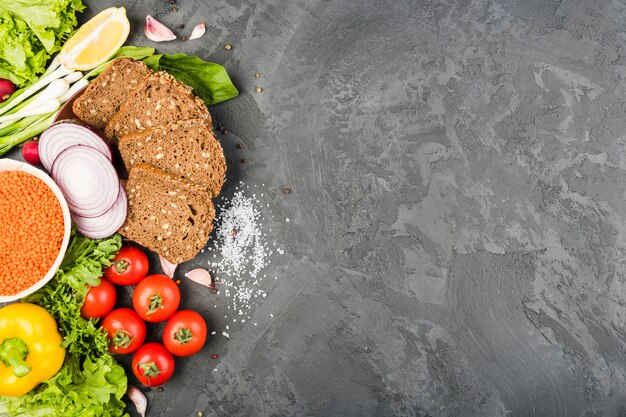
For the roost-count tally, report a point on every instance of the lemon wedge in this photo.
(95, 41)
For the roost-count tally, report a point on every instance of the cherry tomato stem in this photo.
(125, 329)
(153, 365)
(185, 333)
(156, 298)
(129, 266)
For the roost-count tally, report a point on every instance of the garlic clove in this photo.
(200, 276)
(167, 267)
(198, 31)
(137, 398)
(157, 31)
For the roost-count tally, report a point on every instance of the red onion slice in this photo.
(107, 224)
(62, 135)
(88, 180)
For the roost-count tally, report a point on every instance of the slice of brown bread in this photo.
(157, 100)
(106, 94)
(184, 148)
(168, 215)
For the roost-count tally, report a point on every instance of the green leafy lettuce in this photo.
(92, 387)
(30, 32)
(91, 382)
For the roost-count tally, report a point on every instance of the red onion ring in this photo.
(106, 224)
(62, 135)
(88, 180)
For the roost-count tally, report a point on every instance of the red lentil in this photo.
(31, 230)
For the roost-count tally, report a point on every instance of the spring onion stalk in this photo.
(14, 127)
(45, 108)
(45, 99)
(55, 89)
(31, 110)
(74, 89)
(14, 139)
(54, 64)
(73, 77)
(41, 83)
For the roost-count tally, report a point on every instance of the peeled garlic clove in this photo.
(167, 267)
(157, 31)
(198, 31)
(137, 398)
(200, 276)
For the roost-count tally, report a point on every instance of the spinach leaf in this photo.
(209, 80)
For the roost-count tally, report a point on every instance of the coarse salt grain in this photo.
(241, 251)
(239, 238)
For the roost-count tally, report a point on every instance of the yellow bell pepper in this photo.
(30, 348)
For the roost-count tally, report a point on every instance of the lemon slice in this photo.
(95, 41)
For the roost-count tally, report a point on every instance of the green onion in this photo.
(31, 110)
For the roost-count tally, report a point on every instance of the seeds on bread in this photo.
(169, 215)
(183, 148)
(106, 94)
(157, 100)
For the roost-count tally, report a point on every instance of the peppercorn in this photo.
(240, 146)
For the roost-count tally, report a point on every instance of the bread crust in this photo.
(171, 216)
(105, 95)
(184, 148)
(158, 99)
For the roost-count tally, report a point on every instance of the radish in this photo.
(6, 89)
(30, 152)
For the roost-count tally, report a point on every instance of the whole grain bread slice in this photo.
(169, 215)
(157, 100)
(183, 148)
(106, 94)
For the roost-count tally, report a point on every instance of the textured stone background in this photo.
(456, 244)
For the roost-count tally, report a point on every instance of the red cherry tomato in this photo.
(99, 301)
(125, 329)
(129, 266)
(185, 333)
(156, 298)
(153, 365)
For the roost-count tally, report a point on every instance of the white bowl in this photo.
(12, 165)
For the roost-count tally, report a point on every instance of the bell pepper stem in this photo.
(13, 354)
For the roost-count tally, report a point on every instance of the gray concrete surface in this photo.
(457, 241)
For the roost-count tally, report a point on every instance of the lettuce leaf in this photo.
(63, 296)
(93, 387)
(91, 382)
(30, 32)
